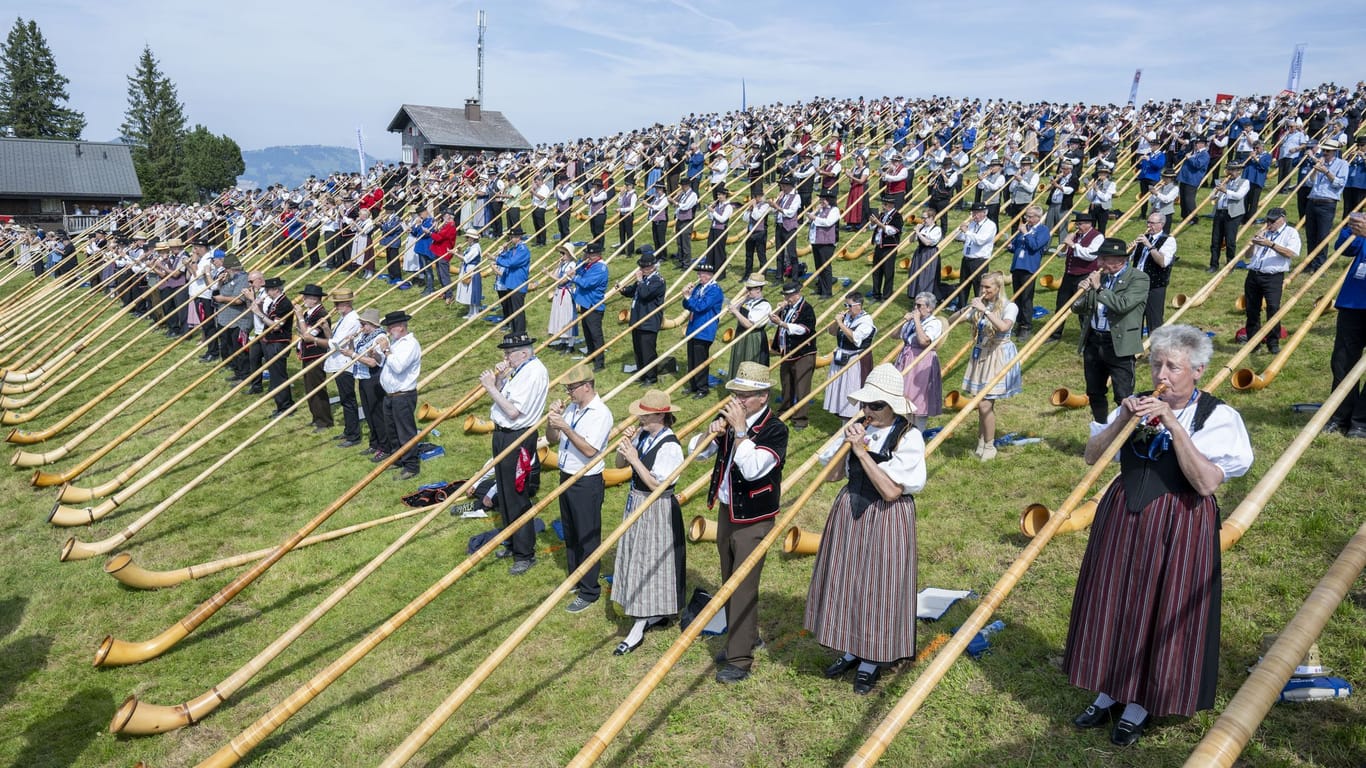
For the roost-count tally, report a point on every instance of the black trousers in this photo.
(597, 226)
(1066, 290)
(884, 271)
(644, 347)
(511, 302)
(346, 397)
(511, 502)
(512, 215)
(1224, 236)
(229, 341)
(581, 517)
(971, 277)
(590, 326)
(716, 248)
(372, 403)
(659, 234)
(318, 402)
(1319, 218)
(494, 218)
(400, 425)
(1102, 366)
(1351, 198)
(279, 371)
(1187, 199)
(756, 252)
(1021, 282)
(1102, 217)
(538, 225)
(311, 246)
(698, 352)
(825, 275)
(785, 245)
(1154, 312)
(562, 223)
(683, 242)
(1253, 199)
(1143, 186)
(1259, 287)
(626, 231)
(1348, 343)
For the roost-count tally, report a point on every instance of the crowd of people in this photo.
(1033, 177)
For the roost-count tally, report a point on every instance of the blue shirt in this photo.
(423, 232)
(1193, 169)
(705, 305)
(1046, 138)
(1150, 167)
(1028, 248)
(1353, 293)
(1320, 188)
(515, 262)
(391, 230)
(1256, 168)
(1356, 173)
(652, 179)
(590, 285)
(695, 164)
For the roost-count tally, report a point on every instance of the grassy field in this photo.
(1012, 707)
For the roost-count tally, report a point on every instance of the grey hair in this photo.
(1183, 340)
(929, 298)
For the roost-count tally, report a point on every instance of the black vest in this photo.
(1158, 275)
(1145, 479)
(862, 492)
(752, 500)
(648, 459)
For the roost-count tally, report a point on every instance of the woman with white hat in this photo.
(469, 287)
(862, 596)
(751, 317)
(562, 316)
(649, 575)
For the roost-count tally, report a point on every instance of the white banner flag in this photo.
(1292, 83)
(1133, 89)
(360, 150)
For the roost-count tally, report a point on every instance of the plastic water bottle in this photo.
(980, 644)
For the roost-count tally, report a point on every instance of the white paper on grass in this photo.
(932, 602)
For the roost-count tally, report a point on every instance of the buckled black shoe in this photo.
(1126, 733)
(864, 681)
(624, 647)
(1095, 717)
(840, 666)
(731, 674)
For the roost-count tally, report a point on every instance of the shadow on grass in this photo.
(448, 755)
(11, 613)
(59, 738)
(360, 697)
(20, 660)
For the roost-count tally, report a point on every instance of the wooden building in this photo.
(44, 181)
(431, 131)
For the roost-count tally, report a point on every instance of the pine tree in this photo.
(155, 125)
(32, 93)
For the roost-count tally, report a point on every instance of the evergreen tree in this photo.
(155, 125)
(32, 93)
(212, 163)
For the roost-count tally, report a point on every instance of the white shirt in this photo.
(1163, 255)
(1267, 259)
(906, 468)
(979, 238)
(752, 461)
(667, 459)
(757, 312)
(1223, 440)
(347, 327)
(592, 422)
(526, 387)
(402, 366)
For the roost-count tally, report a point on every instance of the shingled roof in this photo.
(448, 127)
(67, 169)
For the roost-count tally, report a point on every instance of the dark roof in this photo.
(447, 127)
(67, 169)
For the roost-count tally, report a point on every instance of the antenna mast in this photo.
(482, 27)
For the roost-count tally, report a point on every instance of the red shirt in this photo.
(442, 240)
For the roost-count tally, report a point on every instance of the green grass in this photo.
(1010, 708)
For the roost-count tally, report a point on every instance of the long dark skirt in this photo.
(862, 595)
(1145, 616)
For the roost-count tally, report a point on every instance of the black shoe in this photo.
(1095, 717)
(277, 412)
(1334, 426)
(624, 647)
(521, 566)
(1212, 270)
(1357, 433)
(379, 456)
(254, 390)
(407, 474)
(1052, 337)
(503, 553)
(864, 681)
(699, 395)
(233, 379)
(348, 443)
(1126, 733)
(731, 674)
(842, 664)
(720, 658)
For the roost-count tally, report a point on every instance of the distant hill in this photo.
(291, 165)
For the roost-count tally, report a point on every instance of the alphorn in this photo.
(1255, 697)
(909, 703)
(1245, 379)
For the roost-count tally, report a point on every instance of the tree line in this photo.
(173, 163)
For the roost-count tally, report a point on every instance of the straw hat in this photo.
(578, 373)
(370, 315)
(752, 377)
(654, 401)
(755, 282)
(884, 385)
(342, 295)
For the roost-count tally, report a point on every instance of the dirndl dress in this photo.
(562, 316)
(846, 378)
(649, 574)
(752, 346)
(924, 385)
(470, 293)
(993, 351)
(863, 587)
(928, 278)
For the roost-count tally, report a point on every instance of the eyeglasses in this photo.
(569, 388)
(878, 406)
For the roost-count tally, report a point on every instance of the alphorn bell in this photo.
(799, 542)
(1066, 398)
(1240, 303)
(1036, 516)
(675, 321)
(948, 272)
(954, 401)
(904, 262)
(1049, 283)
(476, 426)
(701, 529)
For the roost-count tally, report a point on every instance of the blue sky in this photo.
(308, 72)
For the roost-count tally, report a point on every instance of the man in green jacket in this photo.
(1111, 313)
